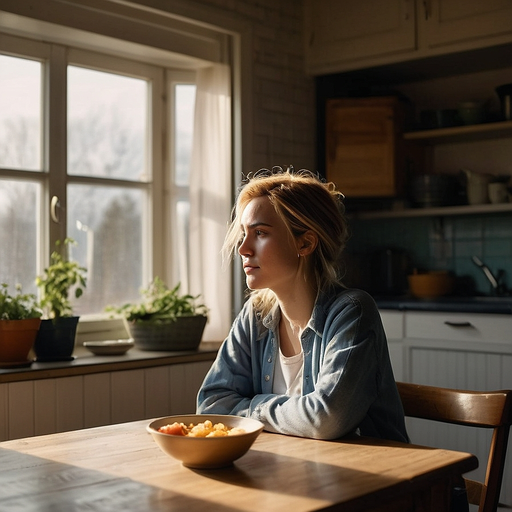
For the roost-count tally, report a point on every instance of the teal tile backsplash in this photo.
(441, 243)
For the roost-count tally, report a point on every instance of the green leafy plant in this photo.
(161, 304)
(56, 282)
(19, 306)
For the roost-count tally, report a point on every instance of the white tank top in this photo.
(288, 374)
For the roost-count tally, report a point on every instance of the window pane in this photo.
(182, 241)
(107, 125)
(19, 207)
(107, 224)
(185, 96)
(20, 113)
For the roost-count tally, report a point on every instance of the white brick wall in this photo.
(283, 102)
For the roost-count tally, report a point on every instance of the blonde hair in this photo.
(304, 202)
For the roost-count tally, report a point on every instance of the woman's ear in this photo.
(307, 243)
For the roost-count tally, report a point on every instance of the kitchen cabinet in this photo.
(44, 406)
(454, 350)
(342, 36)
(450, 25)
(393, 322)
(127, 395)
(364, 154)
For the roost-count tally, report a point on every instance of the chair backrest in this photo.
(492, 409)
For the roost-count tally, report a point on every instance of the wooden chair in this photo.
(491, 409)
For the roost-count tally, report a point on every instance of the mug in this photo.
(498, 192)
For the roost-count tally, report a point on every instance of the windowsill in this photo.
(86, 363)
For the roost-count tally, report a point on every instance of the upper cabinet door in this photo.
(343, 34)
(456, 25)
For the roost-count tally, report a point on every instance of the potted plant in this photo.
(20, 318)
(164, 319)
(56, 337)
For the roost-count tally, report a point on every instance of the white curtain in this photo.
(211, 197)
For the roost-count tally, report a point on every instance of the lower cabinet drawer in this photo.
(459, 327)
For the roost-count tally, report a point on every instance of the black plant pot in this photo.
(55, 340)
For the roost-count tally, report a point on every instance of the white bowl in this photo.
(206, 452)
(109, 347)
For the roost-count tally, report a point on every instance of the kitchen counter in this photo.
(93, 390)
(85, 363)
(488, 305)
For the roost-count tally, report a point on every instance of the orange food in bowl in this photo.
(429, 285)
(205, 452)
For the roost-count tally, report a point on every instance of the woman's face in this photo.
(269, 252)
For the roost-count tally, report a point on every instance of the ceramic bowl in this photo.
(206, 452)
(109, 347)
(471, 112)
(429, 285)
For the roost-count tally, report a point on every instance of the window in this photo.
(95, 164)
(20, 157)
(183, 98)
(20, 113)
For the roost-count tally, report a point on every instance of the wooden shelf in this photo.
(462, 133)
(434, 212)
(482, 131)
(444, 136)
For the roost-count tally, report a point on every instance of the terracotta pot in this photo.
(16, 339)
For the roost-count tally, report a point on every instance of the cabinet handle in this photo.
(426, 7)
(458, 324)
(407, 14)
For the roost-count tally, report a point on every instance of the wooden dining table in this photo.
(120, 468)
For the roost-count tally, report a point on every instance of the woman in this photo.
(305, 356)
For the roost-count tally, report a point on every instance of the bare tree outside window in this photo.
(20, 113)
(20, 149)
(18, 233)
(107, 134)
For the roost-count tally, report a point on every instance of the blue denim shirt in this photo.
(348, 384)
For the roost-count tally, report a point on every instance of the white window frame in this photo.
(53, 177)
(152, 230)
